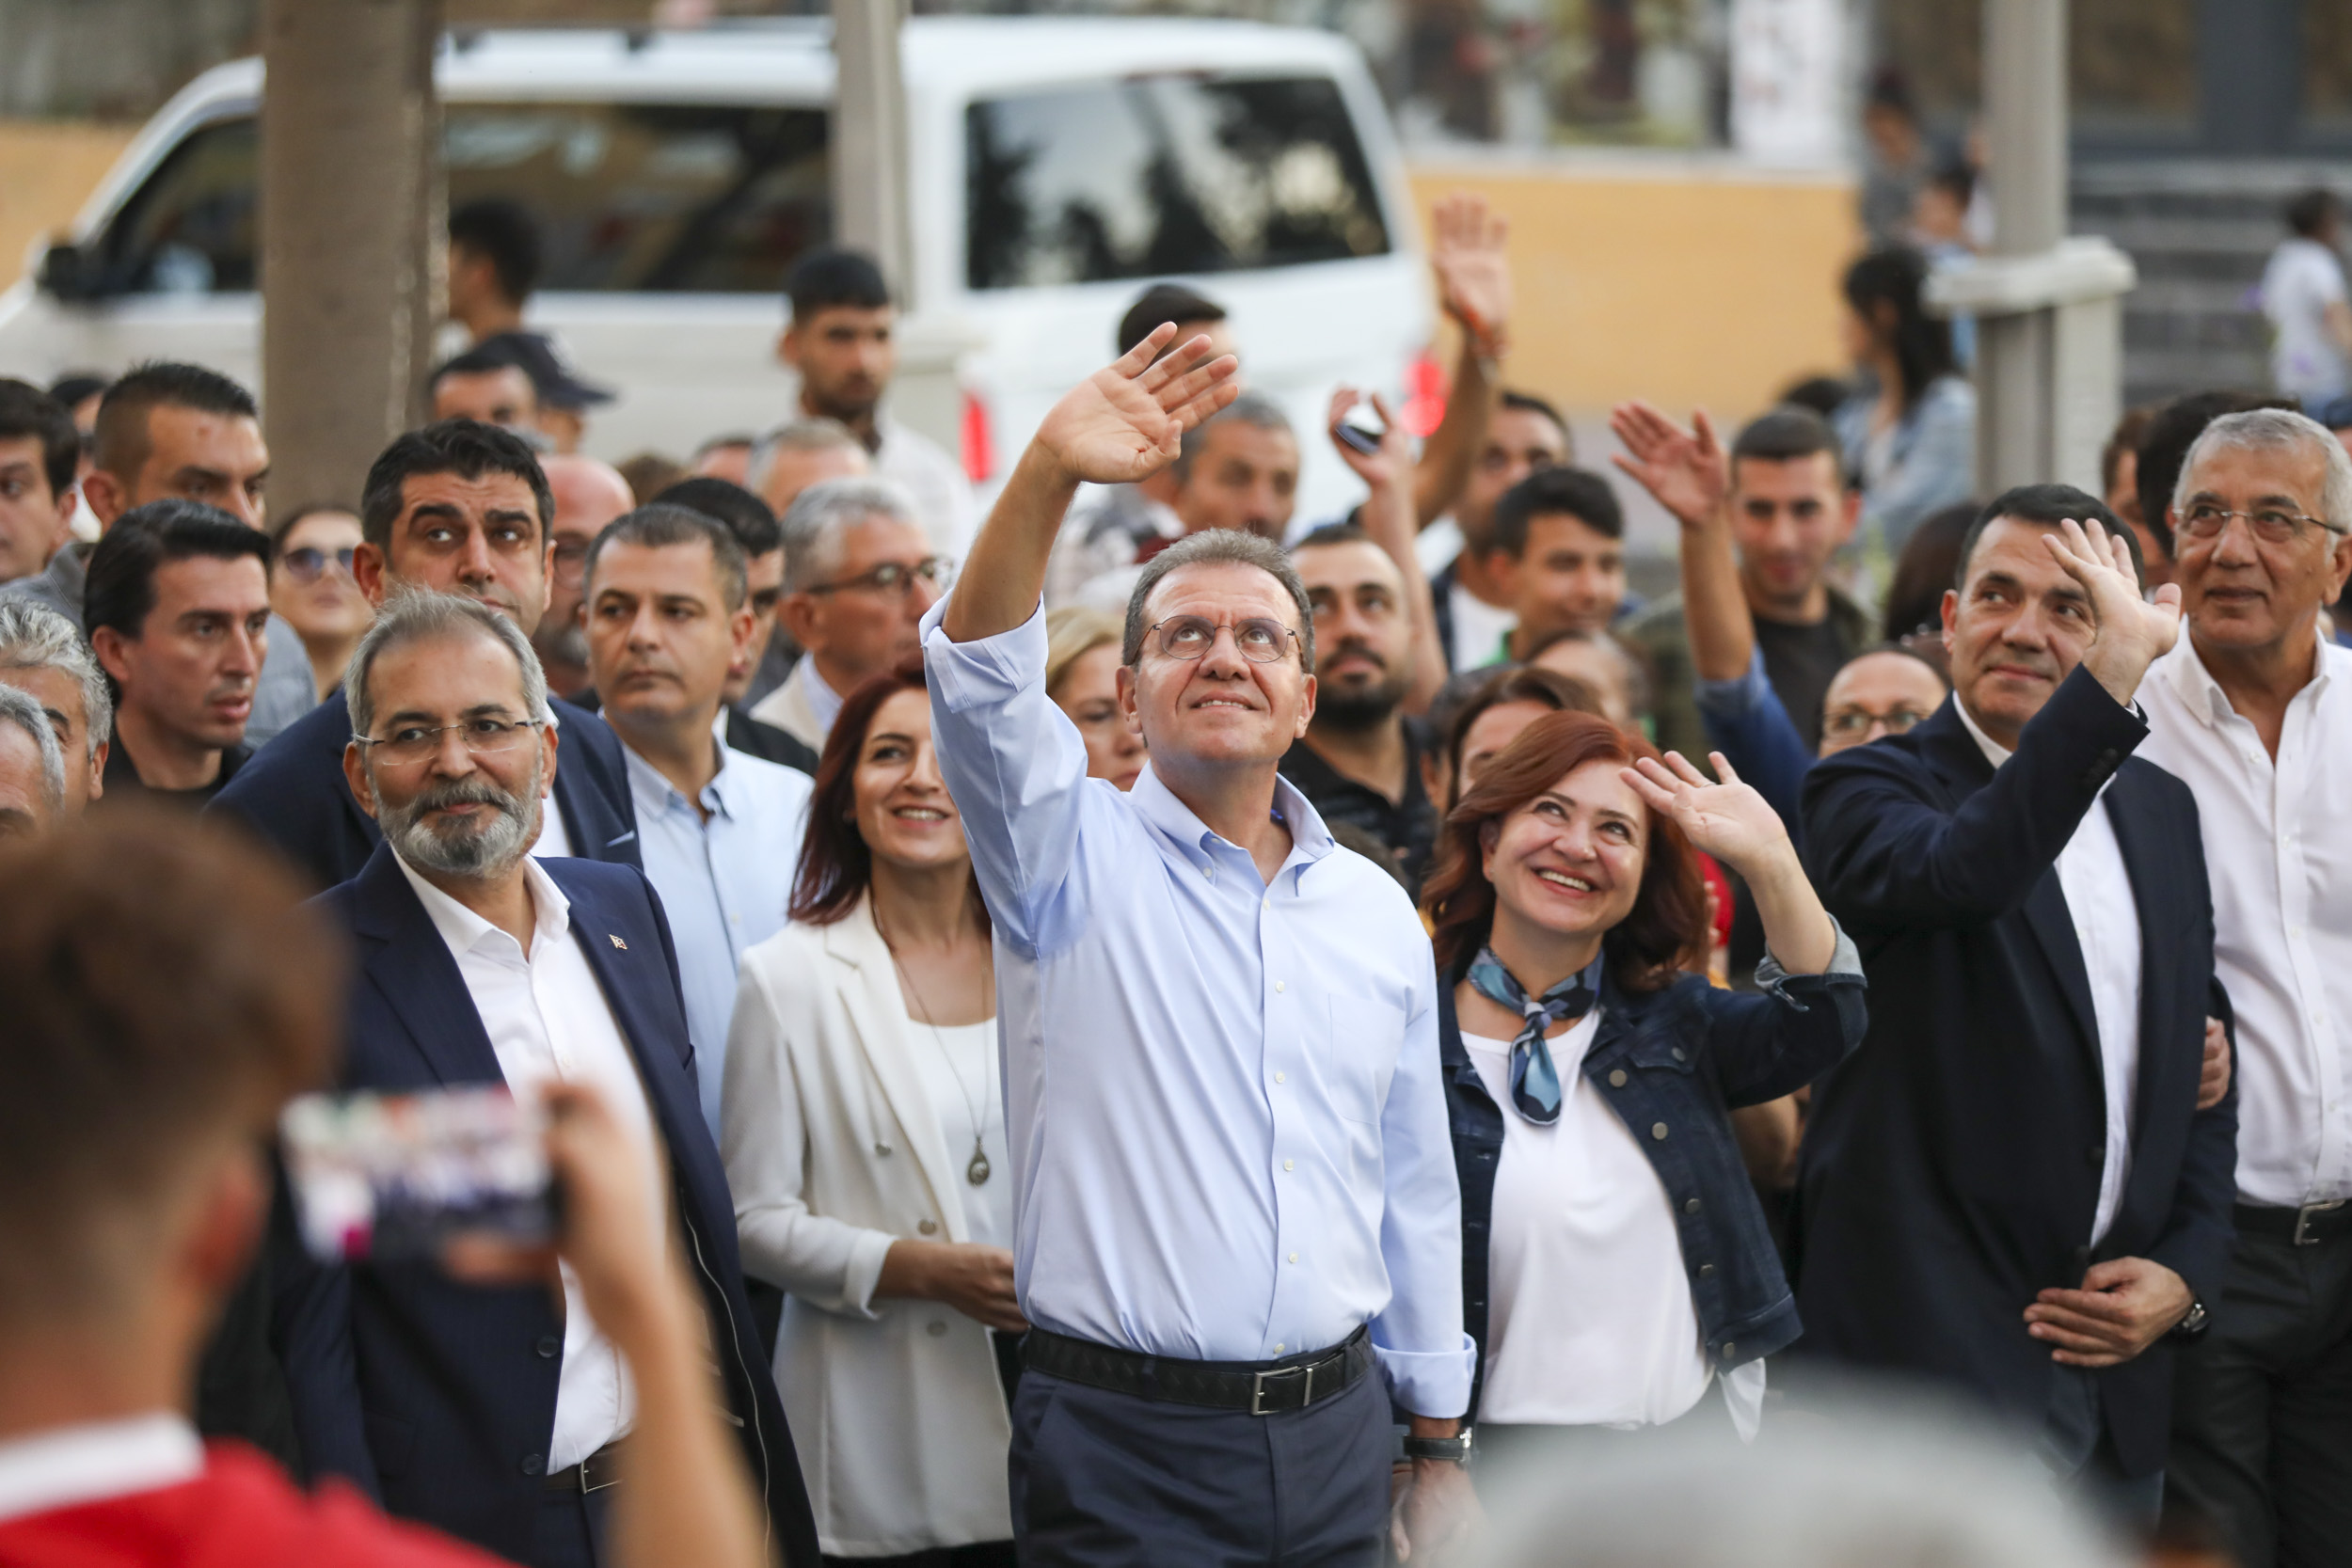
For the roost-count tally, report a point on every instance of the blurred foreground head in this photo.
(1873, 1485)
(156, 1022)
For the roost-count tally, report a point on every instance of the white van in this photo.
(1058, 167)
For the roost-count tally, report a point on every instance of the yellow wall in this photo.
(1682, 280)
(47, 170)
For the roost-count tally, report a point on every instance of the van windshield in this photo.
(689, 198)
(1161, 175)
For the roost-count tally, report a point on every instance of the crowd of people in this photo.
(1147, 1027)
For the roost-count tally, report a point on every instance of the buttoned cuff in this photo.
(1436, 1384)
(987, 669)
(864, 1272)
(1734, 699)
(1845, 960)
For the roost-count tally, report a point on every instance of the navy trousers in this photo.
(1100, 1479)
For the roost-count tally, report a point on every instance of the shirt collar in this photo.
(95, 1461)
(654, 792)
(1159, 807)
(1994, 753)
(824, 703)
(464, 930)
(2202, 695)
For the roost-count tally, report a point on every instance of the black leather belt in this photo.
(1260, 1388)
(594, 1473)
(2309, 1226)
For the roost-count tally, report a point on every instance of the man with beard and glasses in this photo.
(1360, 763)
(464, 508)
(502, 1414)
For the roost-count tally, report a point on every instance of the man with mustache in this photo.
(500, 1415)
(2010, 1187)
(668, 616)
(177, 603)
(463, 508)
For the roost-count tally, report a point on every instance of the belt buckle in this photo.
(1257, 1388)
(2303, 1221)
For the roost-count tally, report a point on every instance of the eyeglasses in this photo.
(309, 564)
(2272, 525)
(893, 578)
(412, 745)
(571, 561)
(1847, 723)
(1261, 640)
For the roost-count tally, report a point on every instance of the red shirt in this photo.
(241, 1512)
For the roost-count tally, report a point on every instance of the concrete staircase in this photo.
(2200, 231)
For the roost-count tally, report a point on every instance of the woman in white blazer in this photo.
(863, 1126)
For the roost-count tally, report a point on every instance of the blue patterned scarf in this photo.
(1534, 1081)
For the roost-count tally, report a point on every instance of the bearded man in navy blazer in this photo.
(2010, 1186)
(460, 508)
(495, 1414)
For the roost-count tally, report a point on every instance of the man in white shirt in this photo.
(666, 590)
(2253, 709)
(1236, 1197)
(858, 574)
(839, 342)
(497, 1415)
(2302, 294)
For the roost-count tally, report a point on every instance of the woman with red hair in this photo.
(1614, 1258)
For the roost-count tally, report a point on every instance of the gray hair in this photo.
(19, 708)
(1218, 545)
(820, 517)
(35, 637)
(660, 525)
(2275, 430)
(419, 615)
(1255, 409)
(795, 436)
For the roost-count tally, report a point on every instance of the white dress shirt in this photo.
(548, 1020)
(2098, 889)
(943, 496)
(68, 1466)
(725, 880)
(552, 839)
(1228, 1126)
(2279, 854)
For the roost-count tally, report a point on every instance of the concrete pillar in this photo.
(2025, 78)
(352, 202)
(869, 139)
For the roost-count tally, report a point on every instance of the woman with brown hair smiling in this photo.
(1614, 1258)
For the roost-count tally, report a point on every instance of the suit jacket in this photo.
(770, 744)
(294, 795)
(1951, 1166)
(437, 1398)
(787, 708)
(898, 1401)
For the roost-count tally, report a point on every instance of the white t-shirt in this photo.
(2304, 278)
(959, 1068)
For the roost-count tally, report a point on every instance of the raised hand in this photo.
(1686, 469)
(1127, 421)
(1728, 820)
(1393, 462)
(2132, 632)
(1466, 250)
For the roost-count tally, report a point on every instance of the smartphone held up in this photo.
(393, 1177)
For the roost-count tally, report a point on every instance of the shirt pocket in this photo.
(1359, 1055)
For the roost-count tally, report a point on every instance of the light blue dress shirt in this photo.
(725, 882)
(1226, 1124)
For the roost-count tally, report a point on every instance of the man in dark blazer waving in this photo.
(2010, 1186)
(459, 508)
(498, 1415)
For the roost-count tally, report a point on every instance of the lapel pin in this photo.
(618, 942)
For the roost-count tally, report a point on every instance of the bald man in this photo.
(588, 494)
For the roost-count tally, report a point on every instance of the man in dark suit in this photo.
(498, 1415)
(2010, 1186)
(460, 508)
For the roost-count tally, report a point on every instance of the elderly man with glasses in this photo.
(858, 575)
(2253, 709)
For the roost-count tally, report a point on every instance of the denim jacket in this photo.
(1679, 1059)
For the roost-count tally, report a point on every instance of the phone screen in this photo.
(390, 1177)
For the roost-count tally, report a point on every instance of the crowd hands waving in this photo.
(1163, 1026)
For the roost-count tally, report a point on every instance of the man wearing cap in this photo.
(563, 398)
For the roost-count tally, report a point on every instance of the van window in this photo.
(689, 197)
(1159, 175)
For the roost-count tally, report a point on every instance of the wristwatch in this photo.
(1453, 1449)
(2192, 1326)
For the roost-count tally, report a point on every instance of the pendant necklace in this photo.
(976, 1172)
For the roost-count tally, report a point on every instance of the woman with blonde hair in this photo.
(1082, 648)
